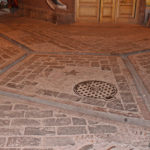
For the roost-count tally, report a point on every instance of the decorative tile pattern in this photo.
(59, 130)
(29, 126)
(47, 76)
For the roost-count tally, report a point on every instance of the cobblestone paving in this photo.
(62, 57)
(28, 126)
(8, 53)
(54, 76)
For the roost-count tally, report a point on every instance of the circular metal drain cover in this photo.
(95, 89)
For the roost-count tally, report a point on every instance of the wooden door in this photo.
(126, 10)
(107, 13)
(102, 11)
(87, 10)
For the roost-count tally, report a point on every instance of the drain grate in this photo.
(95, 89)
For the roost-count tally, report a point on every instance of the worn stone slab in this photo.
(72, 130)
(38, 114)
(11, 114)
(25, 122)
(57, 122)
(78, 121)
(24, 107)
(40, 131)
(23, 141)
(10, 131)
(102, 129)
(58, 141)
(5, 107)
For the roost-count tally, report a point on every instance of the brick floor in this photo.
(40, 127)
(55, 69)
(55, 60)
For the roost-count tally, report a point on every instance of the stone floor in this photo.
(30, 126)
(73, 87)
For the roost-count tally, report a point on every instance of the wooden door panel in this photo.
(88, 10)
(107, 10)
(126, 8)
(87, 1)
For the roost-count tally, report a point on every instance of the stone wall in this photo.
(40, 10)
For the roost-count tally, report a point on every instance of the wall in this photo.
(40, 10)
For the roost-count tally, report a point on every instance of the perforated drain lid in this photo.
(95, 89)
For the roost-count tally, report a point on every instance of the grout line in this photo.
(138, 82)
(103, 115)
(13, 64)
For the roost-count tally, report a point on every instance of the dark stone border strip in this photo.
(135, 52)
(138, 82)
(27, 49)
(13, 64)
(104, 115)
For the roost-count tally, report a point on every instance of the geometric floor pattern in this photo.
(54, 76)
(46, 64)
